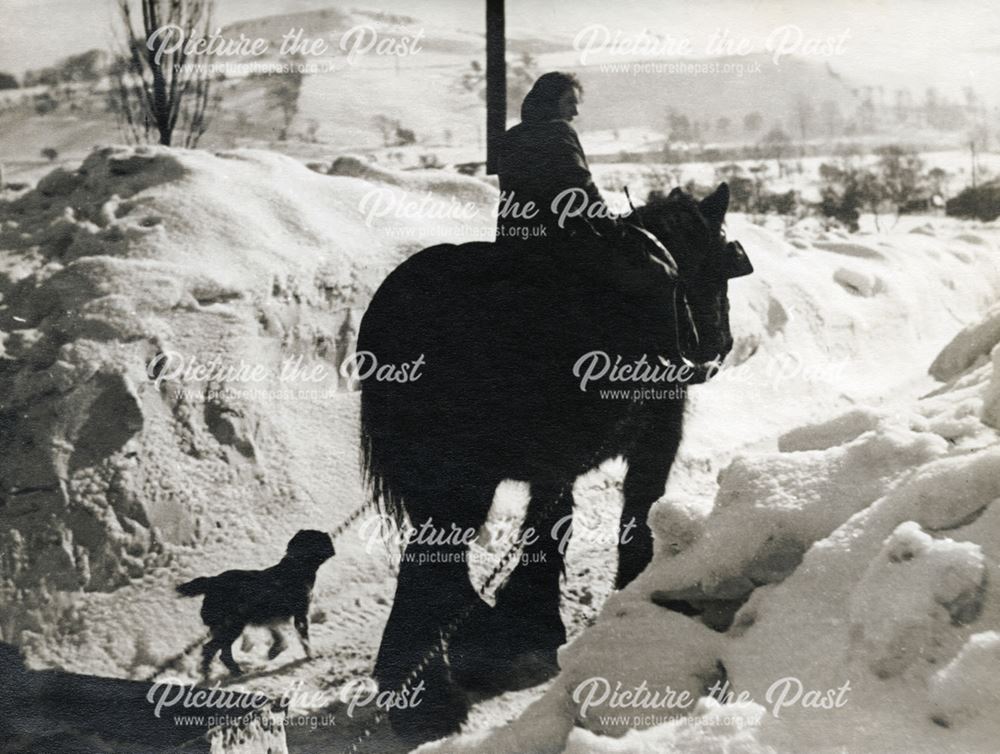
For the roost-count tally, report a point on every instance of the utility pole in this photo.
(496, 81)
(972, 148)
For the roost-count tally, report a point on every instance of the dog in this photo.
(237, 599)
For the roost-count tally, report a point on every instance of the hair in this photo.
(542, 102)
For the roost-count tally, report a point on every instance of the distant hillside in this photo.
(424, 92)
(434, 96)
(332, 23)
(616, 99)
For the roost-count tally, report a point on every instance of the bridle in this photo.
(681, 306)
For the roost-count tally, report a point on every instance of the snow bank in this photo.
(972, 344)
(128, 461)
(770, 508)
(888, 601)
(969, 685)
(843, 588)
(834, 326)
(464, 188)
(911, 594)
(991, 399)
(858, 281)
(713, 729)
(836, 431)
(809, 474)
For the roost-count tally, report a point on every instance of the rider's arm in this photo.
(570, 170)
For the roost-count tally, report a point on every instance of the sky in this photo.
(896, 42)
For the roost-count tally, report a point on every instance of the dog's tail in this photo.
(194, 587)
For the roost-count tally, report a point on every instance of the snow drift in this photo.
(830, 517)
(837, 592)
(139, 293)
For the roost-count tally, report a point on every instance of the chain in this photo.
(334, 533)
(452, 627)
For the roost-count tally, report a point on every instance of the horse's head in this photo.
(694, 234)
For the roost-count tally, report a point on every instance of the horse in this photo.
(513, 346)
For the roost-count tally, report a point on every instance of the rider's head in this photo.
(554, 95)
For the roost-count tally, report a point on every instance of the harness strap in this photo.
(680, 304)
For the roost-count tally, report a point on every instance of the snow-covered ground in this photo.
(828, 486)
(117, 486)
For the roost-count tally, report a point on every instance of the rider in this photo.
(541, 164)
(539, 160)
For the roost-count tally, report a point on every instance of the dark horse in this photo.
(499, 334)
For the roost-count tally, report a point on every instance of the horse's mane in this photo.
(675, 219)
(666, 207)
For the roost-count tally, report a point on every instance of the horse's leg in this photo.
(432, 591)
(526, 628)
(645, 481)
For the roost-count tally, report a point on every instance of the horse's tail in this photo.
(380, 431)
(377, 454)
(389, 327)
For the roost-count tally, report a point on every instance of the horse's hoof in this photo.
(502, 652)
(531, 669)
(438, 712)
(521, 672)
(471, 650)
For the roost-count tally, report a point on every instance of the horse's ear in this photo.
(714, 206)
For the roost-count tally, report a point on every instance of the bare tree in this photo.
(752, 122)
(776, 144)
(387, 127)
(521, 75)
(804, 114)
(158, 86)
(283, 92)
(829, 114)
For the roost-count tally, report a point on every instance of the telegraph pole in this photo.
(496, 81)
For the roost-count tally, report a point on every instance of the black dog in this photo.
(236, 599)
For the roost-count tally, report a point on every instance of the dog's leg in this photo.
(208, 653)
(227, 658)
(302, 626)
(226, 641)
(278, 644)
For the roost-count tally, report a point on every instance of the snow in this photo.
(858, 547)
(836, 431)
(808, 346)
(122, 486)
(972, 344)
(831, 501)
(890, 601)
(714, 729)
(857, 281)
(912, 592)
(991, 400)
(969, 685)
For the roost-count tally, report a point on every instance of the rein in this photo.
(678, 297)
